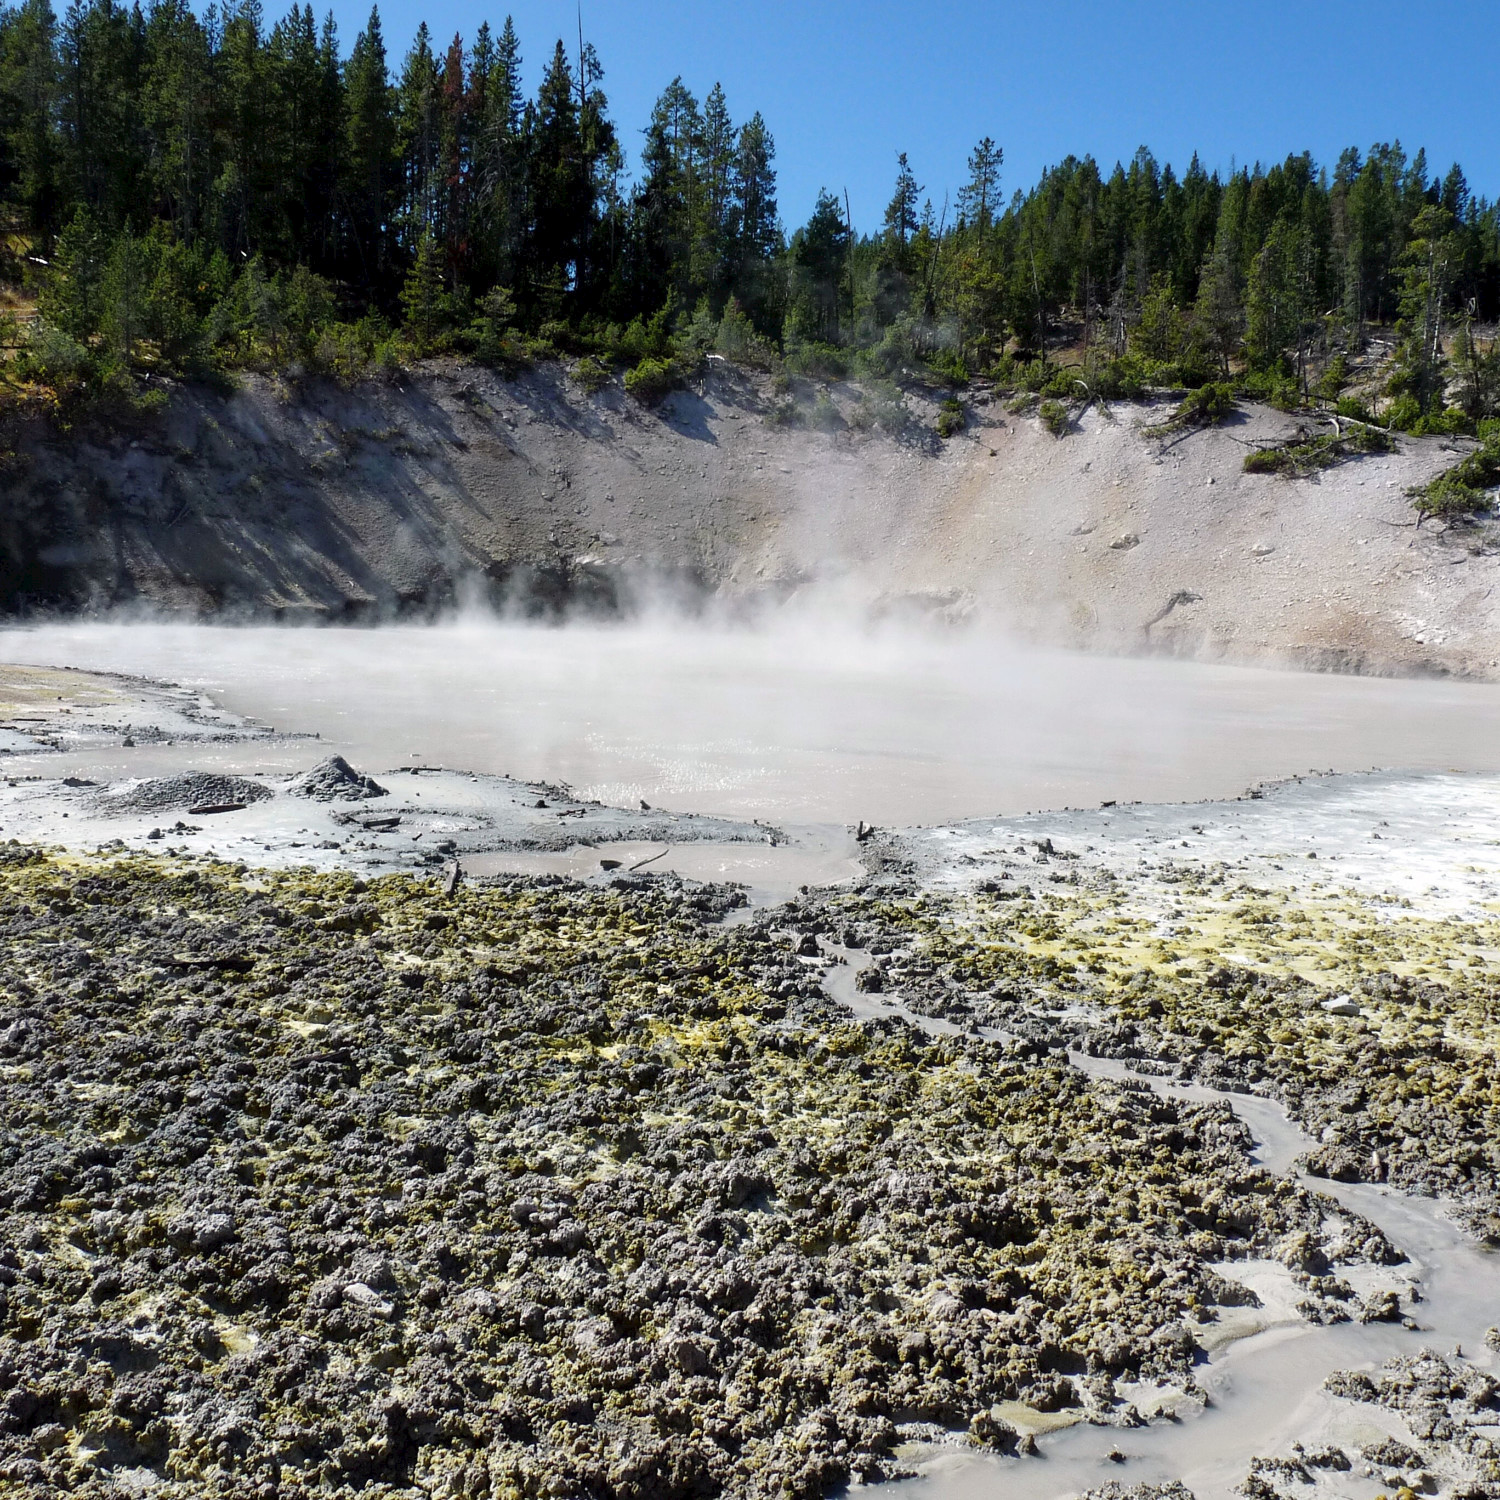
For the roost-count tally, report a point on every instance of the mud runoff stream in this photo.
(803, 722)
(1264, 1377)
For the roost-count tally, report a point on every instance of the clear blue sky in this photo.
(846, 84)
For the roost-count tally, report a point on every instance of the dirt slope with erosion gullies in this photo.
(322, 502)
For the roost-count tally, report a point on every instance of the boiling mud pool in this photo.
(802, 722)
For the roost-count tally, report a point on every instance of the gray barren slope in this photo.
(327, 503)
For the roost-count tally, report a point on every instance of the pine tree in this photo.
(367, 186)
(670, 201)
(499, 166)
(422, 297)
(419, 143)
(757, 226)
(715, 253)
(177, 105)
(560, 190)
(901, 211)
(454, 157)
(891, 283)
(246, 197)
(980, 197)
(100, 47)
(820, 264)
(1427, 270)
(29, 168)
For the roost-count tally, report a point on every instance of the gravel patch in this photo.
(188, 790)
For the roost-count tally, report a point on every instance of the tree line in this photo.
(183, 190)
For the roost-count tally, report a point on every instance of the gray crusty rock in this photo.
(335, 780)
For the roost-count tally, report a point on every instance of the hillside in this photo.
(325, 503)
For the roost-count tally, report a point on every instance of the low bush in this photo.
(1055, 417)
(1403, 414)
(1334, 378)
(1120, 379)
(1353, 408)
(1310, 454)
(651, 380)
(592, 374)
(1446, 496)
(951, 419)
(1274, 387)
(1268, 461)
(1465, 488)
(1208, 405)
(948, 365)
(816, 361)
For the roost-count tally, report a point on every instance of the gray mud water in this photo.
(802, 722)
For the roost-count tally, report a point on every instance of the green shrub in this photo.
(591, 374)
(1062, 383)
(51, 356)
(1005, 373)
(1268, 461)
(948, 365)
(1274, 387)
(737, 340)
(651, 380)
(1461, 490)
(1055, 417)
(1320, 452)
(1034, 376)
(816, 361)
(639, 340)
(1354, 408)
(1403, 414)
(1449, 496)
(1207, 406)
(951, 418)
(1021, 404)
(1450, 422)
(1334, 378)
(1118, 379)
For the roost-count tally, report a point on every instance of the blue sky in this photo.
(845, 85)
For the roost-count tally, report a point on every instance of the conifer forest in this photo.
(186, 193)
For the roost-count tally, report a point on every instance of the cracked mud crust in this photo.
(311, 1186)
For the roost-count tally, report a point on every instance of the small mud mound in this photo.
(335, 780)
(190, 789)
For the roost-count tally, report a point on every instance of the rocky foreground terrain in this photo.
(311, 1185)
(541, 1189)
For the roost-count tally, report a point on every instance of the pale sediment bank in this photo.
(325, 503)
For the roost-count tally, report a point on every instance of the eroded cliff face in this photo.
(455, 482)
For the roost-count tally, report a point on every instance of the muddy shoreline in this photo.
(344, 1168)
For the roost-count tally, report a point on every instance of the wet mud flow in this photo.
(1264, 1386)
